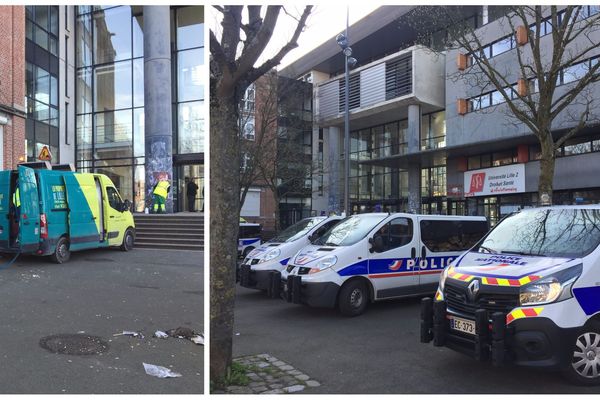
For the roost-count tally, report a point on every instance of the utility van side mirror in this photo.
(313, 237)
(126, 206)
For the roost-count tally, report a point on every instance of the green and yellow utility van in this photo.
(53, 211)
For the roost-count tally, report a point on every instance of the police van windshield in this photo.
(297, 230)
(350, 230)
(545, 232)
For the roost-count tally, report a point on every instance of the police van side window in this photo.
(396, 233)
(113, 198)
(440, 236)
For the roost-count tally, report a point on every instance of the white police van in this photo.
(249, 238)
(378, 256)
(262, 266)
(528, 294)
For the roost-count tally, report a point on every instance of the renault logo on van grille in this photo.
(473, 289)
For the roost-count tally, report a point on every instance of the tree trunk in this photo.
(224, 227)
(546, 167)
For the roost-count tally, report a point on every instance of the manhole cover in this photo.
(75, 344)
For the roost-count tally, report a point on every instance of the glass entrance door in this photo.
(188, 178)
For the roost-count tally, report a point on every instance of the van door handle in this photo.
(112, 216)
(423, 253)
(413, 252)
(94, 218)
(26, 223)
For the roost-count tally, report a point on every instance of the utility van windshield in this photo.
(350, 230)
(545, 232)
(297, 230)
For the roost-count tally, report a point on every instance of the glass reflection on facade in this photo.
(110, 93)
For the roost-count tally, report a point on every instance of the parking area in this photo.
(378, 352)
(102, 293)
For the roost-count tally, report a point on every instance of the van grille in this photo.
(457, 300)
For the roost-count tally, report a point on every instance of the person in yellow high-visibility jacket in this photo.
(160, 192)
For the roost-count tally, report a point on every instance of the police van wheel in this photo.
(128, 240)
(584, 368)
(353, 298)
(62, 254)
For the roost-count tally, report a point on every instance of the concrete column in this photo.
(334, 168)
(157, 99)
(414, 128)
(414, 188)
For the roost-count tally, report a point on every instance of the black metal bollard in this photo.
(439, 323)
(426, 320)
(498, 336)
(482, 336)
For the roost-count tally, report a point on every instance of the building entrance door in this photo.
(189, 173)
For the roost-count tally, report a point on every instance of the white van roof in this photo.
(428, 216)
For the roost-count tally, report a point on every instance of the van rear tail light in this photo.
(43, 227)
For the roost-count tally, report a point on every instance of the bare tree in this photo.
(547, 85)
(232, 68)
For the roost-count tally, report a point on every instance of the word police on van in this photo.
(262, 268)
(377, 256)
(528, 293)
(53, 212)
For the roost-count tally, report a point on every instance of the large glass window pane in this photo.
(41, 16)
(53, 91)
(191, 127)
(54, 20)
(138, 132)
(112, 35)
(139, 190)
(121, 176)
(138, 82)
(41, 111)
(112, 86)
(190, 27)
(41, 37)
(84, 137)
(138, 36)
(84, 40)
(189, 75)
(42, 133)
(84, 91)
(113, 135)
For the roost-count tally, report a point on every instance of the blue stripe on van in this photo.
(245, 242)
(395, 265)
(284, 262)
(588, 298)
(360, 268)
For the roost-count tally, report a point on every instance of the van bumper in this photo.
(314, 294)
(528, 342)
(253, 279)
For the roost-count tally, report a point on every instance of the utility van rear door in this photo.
(4, 208)
(84, 222)
(29, 224)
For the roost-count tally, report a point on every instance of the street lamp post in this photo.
(349, 62)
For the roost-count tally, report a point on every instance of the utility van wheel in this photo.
(584, 368)
(128, 240)
(353, 298)
(61, 252)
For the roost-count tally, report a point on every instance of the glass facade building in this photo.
(110, 97)
(41, 80)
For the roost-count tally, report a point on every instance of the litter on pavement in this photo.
(160, 372)
(198, 339)
(161, 334)
(130, 333)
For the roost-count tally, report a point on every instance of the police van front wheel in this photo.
(61, 251)
(584, 368)
(353, 298)
(128, 240)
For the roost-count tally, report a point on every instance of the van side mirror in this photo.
(312, 237)
(126, 206)
(376, 244)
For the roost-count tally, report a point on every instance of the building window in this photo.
(433, 131)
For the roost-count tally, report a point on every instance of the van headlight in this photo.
(270, 255)
(553, 288)
(325, 263)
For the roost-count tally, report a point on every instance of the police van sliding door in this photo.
(84, 222)
(29, 224)
(393, 270)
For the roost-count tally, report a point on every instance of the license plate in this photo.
(462, 325)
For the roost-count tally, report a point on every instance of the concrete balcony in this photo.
(415, 75)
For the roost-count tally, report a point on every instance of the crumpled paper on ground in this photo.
(160, 372)
(198, 339)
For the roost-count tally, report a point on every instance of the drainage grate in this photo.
(75, 344)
